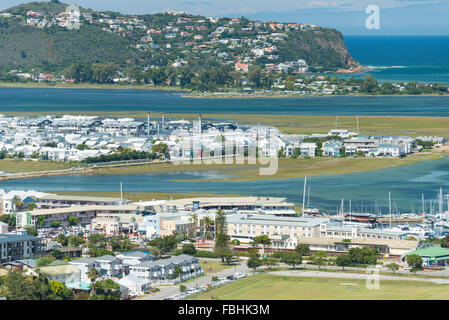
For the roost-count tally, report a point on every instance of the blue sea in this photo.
(403, 58)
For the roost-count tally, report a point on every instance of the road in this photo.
(304, 273)
(168, 291)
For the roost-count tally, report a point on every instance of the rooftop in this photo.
(79, 198)
(4, 238)
(432, 252)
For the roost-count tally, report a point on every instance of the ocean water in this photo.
(368, 191)
(403, 58)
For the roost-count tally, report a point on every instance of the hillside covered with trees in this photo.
(160, 49)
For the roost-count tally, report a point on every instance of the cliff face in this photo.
(324, 49)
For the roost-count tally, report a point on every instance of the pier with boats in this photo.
(432, 220)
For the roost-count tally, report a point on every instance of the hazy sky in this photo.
(406, 17)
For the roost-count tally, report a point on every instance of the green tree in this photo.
(93, 275)
(393, 267)
(59, 291)
(41, 221)
(343, 261)
(188, 249)
(9, 219)
(72, 220)
(194, 218)
(75, 241)
(32, 206)
(105, 289)
(98, 240)
(62, 240)
(414, 261)
(44, 261)
(56, 254)
(445, 241)
(302, 249)
(319, 258)
(207, 222)
(221, 235)
(228, 255)
(292, 258)
(18, 203)
(82, 147)
(269, 261)
(164, 244)
(55, 224)
(264, 240)
(17, 286)
(254, 261)
(369, 84)
(31, 231)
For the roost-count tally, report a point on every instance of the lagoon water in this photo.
(52, 100)
(367, 190)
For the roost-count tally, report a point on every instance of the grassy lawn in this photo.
(17, 165)
(264, 286)
(287, 168)
(211, 266)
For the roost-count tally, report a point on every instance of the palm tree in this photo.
(18, 203)
(194, 218)
(207, 221)
(93, 274)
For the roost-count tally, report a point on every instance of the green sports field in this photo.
(270, 287)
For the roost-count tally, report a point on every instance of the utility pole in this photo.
(389, 204)
(308, 196)
(304, 196)
(148, 124)
(121, 192)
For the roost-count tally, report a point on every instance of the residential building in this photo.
(16, 247)
(132, 258)
(110, 266)
(84, 265)
(163, 271)
(134, 284)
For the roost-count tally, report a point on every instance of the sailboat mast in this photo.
(121, 192)
(308, 196)
(422, 203)
(389, 204)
